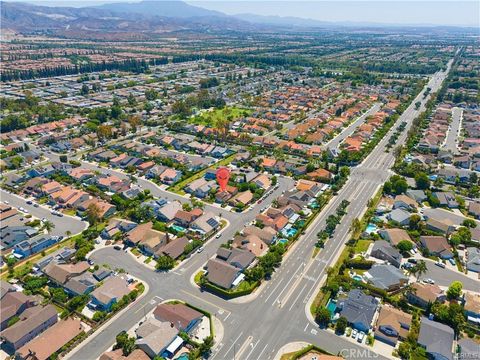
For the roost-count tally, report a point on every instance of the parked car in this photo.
(429, 281)
(452, 261)
(6, 202)
(354, 333)
(440, 264)
(29, 202)
(412, 261)
(360, 337)
(117, 247)
(218, 236)
(200, 249)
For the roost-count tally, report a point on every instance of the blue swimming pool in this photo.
(357, 277)
(177, 228)
(331, 307)
(283, 241)
(371, 228)
(184, 356)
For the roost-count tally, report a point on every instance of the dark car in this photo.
(117, 247)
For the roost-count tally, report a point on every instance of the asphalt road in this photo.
(444, 277)
(335, 142)
(453, 131)
(257, 329)
(63, 224)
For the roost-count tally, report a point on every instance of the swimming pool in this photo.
(357, 277)
(283, 241)
(184, 356)
(371, 228)
(177, 228)
(331, 307)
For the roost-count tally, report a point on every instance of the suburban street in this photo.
(64, 225)
(454, 131)
(337, 140)
(277, 314)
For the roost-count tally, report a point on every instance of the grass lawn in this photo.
(70, 212)
(178, 188)
(211, 118)
(362, 245)
(244, 285)
(135, 252)
(197, 277)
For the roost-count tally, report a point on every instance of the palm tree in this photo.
(48, 225)
(420, 269)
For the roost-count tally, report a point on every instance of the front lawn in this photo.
(362, 246)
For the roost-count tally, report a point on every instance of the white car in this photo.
(429, 281)
(354, 333)
(6, 202)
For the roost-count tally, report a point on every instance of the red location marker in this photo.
(223, 175)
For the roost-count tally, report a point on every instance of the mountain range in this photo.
(143, 19)
(146, 17)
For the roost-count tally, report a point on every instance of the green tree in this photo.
(469, 223)
(414, 222)
(404, 246)
(422, 181)
(322, 316)
(454, 290)
(165, 263)
(341, 325)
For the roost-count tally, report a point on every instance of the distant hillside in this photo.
(172, 8)
(127, 20)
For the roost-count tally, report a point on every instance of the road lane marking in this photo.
(230, 348)
(253, 348)
(243, 347)
(205, 301)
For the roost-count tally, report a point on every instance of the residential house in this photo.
(386, 277)
(446, 199)
(474, 209)
(423, 294)
(239, 258)
(205, 224)
(359, 309)
(110, 292)
(170, 176)
(181, 316)
(472, 307)
(154, 337)
(437, 339)
(395, 235)
(444, 226)
(13, 304)
(418, 195)
(384, 251)
(167, 212)
(34, 245)
(221, 273)
(33, 321)
(400, 216)
(405, 202)
(472, 259)
(174, 248)
(437, 246)
(392, 325)
(266, 234)
(251, 243)
(242, 198)
(51, 340)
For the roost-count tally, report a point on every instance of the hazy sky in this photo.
(443, 12)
